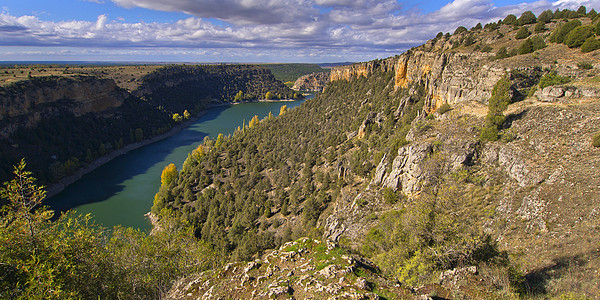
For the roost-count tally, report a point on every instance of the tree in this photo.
(522, 33)
(254, 121)
(526, 47)
(582, 11)
(510, 20)
(268, 96)
(590, 44)
(168, 174)
(560, 33)
(527, 18)
(186, 114)
(283, 110)
(546, 16)
(460, 29)
(577, 36)
(497, 104)
(239, 97)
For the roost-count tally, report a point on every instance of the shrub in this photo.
(560, 33)
(552, 78)
(502, 53)
(584, 65)
(522, 33)
(596, 140)
(496, 106)
(487, 49)
(590, 44)
(526, 47)
(577, 36)
(527, 18)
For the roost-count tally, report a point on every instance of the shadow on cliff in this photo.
(112, 177)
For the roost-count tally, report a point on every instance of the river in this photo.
(121, 191)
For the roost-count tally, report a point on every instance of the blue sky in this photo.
(238, 30)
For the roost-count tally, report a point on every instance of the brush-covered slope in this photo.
(395, 161)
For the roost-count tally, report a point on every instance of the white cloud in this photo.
(361, 30)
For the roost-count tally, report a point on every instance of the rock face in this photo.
(312, 82)
(448, 77)
(30, 100)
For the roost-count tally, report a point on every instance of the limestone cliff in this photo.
(311, 82)
(447, 77)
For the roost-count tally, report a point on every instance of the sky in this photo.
(315, 31)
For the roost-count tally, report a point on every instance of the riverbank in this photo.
(68, 180)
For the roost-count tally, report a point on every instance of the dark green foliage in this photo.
(439, 35)
(560, 33)
(522, 33)
(551, 78)
(510, 20)
(546, 16)
(577, 36)
(460, 30)
(539, 27)
(532, 44)
(582, 11)
(585, 65)
(478, 26)
(592, 14)
(487, 49)
(590, 44)
(496, 106)
(597, 28)
(269, 168)
(596, 140)
(469, 40)
(502, 53)
(527, 18)
(291, 72)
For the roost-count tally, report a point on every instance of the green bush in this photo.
(590, 44)
(585, 65)
(502, 53)
(577, 36)
(552, 78)
(510, 20)
(526, 47)
(545, 16)
(596, 140)
(560, 33)
(522, 33)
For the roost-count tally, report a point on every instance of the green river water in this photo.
(121, 191)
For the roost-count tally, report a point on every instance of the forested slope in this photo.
(62, 123)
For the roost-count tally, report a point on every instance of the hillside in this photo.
(390, 162)
(61, 123)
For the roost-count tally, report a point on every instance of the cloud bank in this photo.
(266, 29)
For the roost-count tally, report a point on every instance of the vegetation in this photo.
(291, 72)
(72, 258)
(596, 140)
(590, 45)
(496, 106)
(522, 33)
(551, 78)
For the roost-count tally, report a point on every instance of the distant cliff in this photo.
(27, 102)
(312, 82)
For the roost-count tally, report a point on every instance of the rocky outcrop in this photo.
(302, 269)
(312, 82)
(557, 93)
